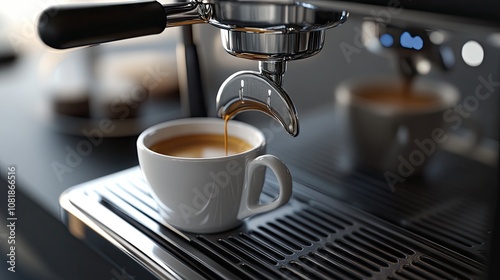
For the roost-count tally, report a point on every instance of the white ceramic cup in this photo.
(394, 138)
(207, 195)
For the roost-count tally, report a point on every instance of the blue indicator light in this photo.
(409, 42)
(406, 40)
(418, 43)
(386, 40)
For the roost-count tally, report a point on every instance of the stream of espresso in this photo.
(226, 144)
(238, 107)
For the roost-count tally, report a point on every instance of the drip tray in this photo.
(312, 237)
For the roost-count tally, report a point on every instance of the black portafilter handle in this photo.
(63, 27)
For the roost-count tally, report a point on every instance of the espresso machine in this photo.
(343, 222)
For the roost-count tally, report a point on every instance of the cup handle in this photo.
(250, 195)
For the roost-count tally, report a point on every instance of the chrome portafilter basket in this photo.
(270, 32)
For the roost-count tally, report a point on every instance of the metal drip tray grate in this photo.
(449, 204)
(312, 237)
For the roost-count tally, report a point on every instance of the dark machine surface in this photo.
(484, 11)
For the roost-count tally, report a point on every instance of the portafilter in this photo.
(270, 32)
